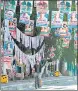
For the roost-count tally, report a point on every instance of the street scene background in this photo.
(39, 45)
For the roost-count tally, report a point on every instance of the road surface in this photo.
(48, 83)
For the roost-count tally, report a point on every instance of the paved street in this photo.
(49, 83)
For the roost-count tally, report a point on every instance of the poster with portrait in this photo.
(72, 19)
(22, 7)
(57, 32)
(26, 7)
(59, 3)
(1, 5)
(9, 11)
(8, 60)
(29, 28)
(65, 43)
(24, 18)
(64, 6)
(12, 27)
(8, 48)
(7, 36)
(64, 31)
(45, 31)
(68, 5)
(8, 14)
(29, 6)
(42, 19)
(56, 19)
(42, 6)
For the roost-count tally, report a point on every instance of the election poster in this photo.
(8, 48)
(26, 7)
(29, 6)
(9, 11)
(45, 31)
(42, 6)
(56, 19)
(72, 19)
(68, 5)
(42, 19)
(64, 31)
(7, 61)
(29, 28)
(9, 14)
(1, 5)
(22, 7)
(64, 6)
(65, 43)
(24, 18)
(12, 27)
(7, 36)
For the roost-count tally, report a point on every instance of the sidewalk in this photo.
(50, 83)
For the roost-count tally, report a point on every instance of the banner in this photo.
(42, 6)
(12, 27)
(57, 19)
(28, 59)
(29, 28)
(72, 19)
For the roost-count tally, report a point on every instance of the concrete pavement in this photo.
(48, 83)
